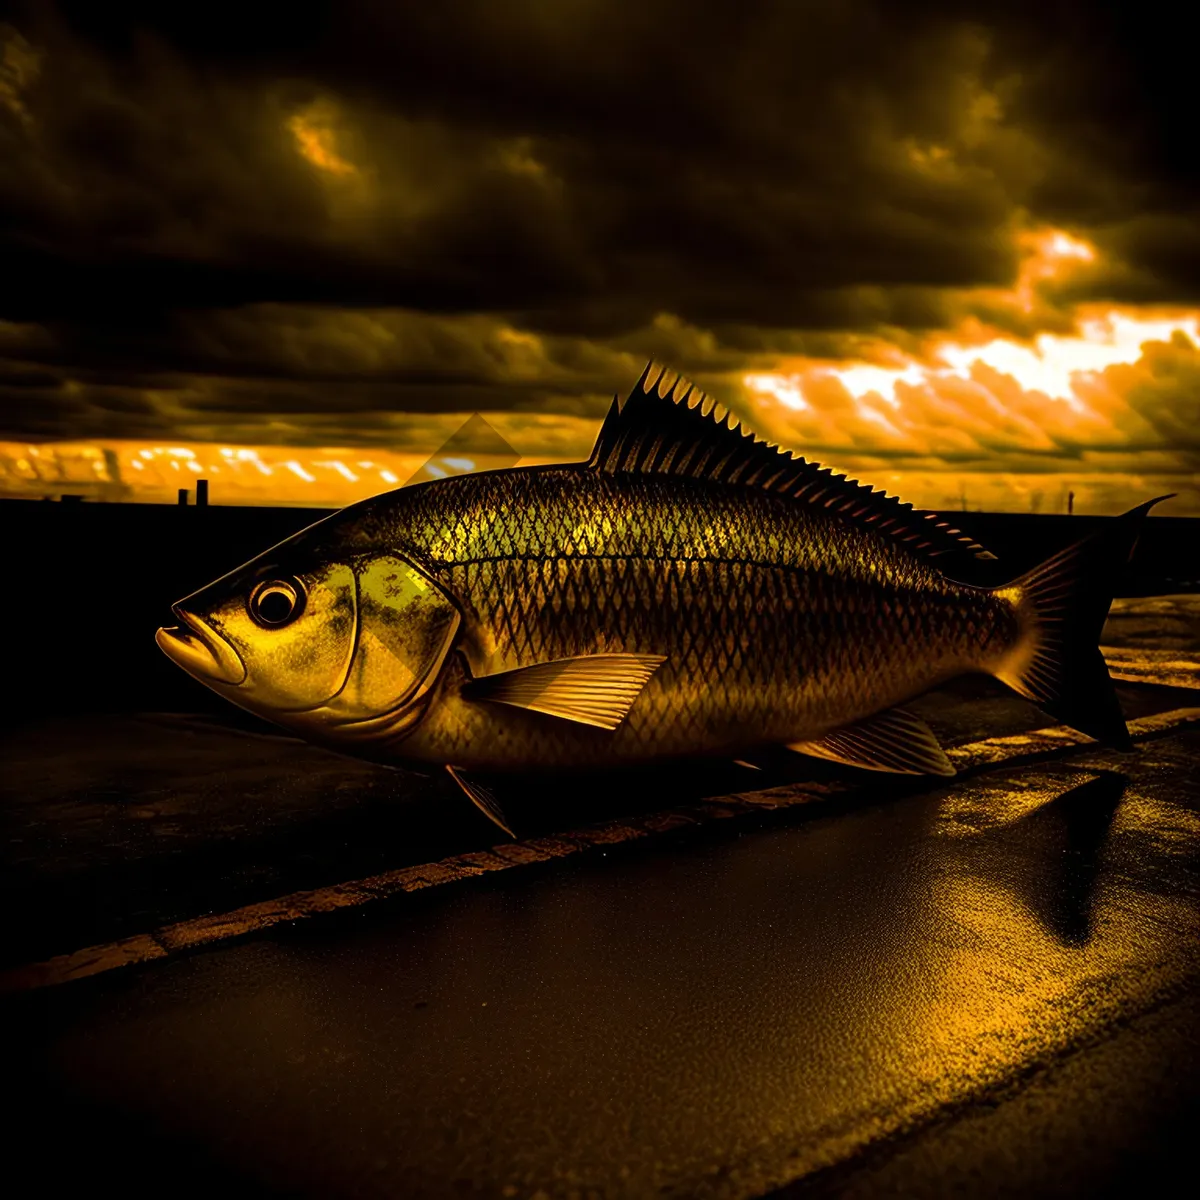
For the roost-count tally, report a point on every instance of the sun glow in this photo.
(1049, 247)
(277, 475)
(983, 417)
(1051, 364)
(1047, 254)
(785, 390)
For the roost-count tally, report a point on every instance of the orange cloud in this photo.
(1104, 403)
(315, 141)
(1119, 392)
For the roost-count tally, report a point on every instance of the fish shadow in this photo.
(540, 802)
(1051, 860)
(549, 801)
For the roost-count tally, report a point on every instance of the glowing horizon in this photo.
(978, 418)
(288, 476)
(980, 404)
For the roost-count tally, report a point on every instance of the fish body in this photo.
(775, 622)
(688, 591)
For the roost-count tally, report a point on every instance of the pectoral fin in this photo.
(482, 798)
(894, 740)
(598, 689)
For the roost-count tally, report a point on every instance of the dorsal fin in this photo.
(668, 426)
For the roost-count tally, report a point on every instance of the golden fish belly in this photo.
(756, 653)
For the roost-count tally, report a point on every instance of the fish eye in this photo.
(276, 602)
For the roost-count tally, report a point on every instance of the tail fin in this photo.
(1062, 605)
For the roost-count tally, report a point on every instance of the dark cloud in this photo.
(298, 221)
(527, 157)
(725, 165)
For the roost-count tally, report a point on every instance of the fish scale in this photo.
(772, 617)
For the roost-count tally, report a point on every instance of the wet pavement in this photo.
(982, 987)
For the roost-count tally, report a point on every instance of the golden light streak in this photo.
(1048, 254)
(340, 468)
(1052, 365)
(292, 476)
(785, 389)
(1049, 247)
(315, 141)
(272, 475)
(863, 380)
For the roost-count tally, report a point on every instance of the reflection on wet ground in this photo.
(113, 825)
(703, 1016)
(1057, 840)
(716, 1010)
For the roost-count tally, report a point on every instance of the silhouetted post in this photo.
(1070, 503)
(183, 495)
(201, 492)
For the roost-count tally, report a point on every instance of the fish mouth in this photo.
(200, 651)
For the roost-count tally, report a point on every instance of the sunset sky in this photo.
(951, 249)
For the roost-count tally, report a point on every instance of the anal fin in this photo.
(481, 797)
(595, 689)
(893, 740)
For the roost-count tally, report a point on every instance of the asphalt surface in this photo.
(984, 987)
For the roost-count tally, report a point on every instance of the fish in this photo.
(691, 590)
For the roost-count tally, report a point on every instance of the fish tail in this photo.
(1061, 608)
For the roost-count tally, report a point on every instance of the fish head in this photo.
(337, 650)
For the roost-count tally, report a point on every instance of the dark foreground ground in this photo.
(234, 963)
